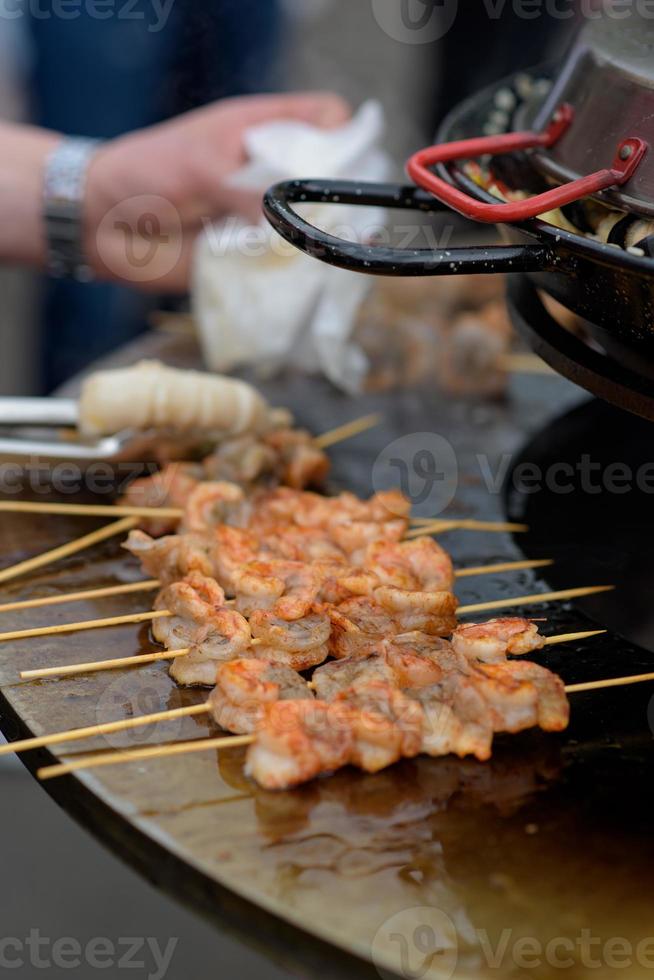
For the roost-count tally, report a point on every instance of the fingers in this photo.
(324, 109)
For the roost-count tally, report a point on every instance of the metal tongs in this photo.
(46, 429)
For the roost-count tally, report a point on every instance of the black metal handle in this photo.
(381, 260)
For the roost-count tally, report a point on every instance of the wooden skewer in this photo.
(347, 431)
(527, 600)
(88, 624)
(611, 682)
(69, 670)
(507, 566)
(111, 727)
(440, 526)
(70, 548)
(150, 585)
(96, 665)
(235, 741)
(153, 752)
(88, 510)
(106, 728)
(143, 617)
(55, 600)
(551, 641)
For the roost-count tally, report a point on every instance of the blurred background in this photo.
(83, 75)
(91, 76)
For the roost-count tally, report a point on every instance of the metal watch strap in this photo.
(63, 196)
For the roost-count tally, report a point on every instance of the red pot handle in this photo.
(629, 154)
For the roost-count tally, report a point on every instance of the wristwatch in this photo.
(63, 197)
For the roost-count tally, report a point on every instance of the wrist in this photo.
(25, 150)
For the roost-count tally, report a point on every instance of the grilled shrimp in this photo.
(299, 462)
(233, 548)
(170, 558)
(355, 537)
(457, 718)
(202, 622)
(244, 686)
(340, 675)
(241, 460)
(169, 487)
(490, 642)
(428, 612)
(291, 635)
(210, 504)
(298, 740)
(386, 725)
(290, 588)
(523, 695)
(421, 564)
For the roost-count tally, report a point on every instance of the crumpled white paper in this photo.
(256, 299)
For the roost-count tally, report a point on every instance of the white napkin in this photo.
(259, 301)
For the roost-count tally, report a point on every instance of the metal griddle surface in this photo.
(551, 839)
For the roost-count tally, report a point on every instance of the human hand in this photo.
(149, 192)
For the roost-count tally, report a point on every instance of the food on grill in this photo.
(243, 687)
(284, 455)
(200, 620)
(490, 642)
(298, 643)
(373, 723)
(149, 395)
